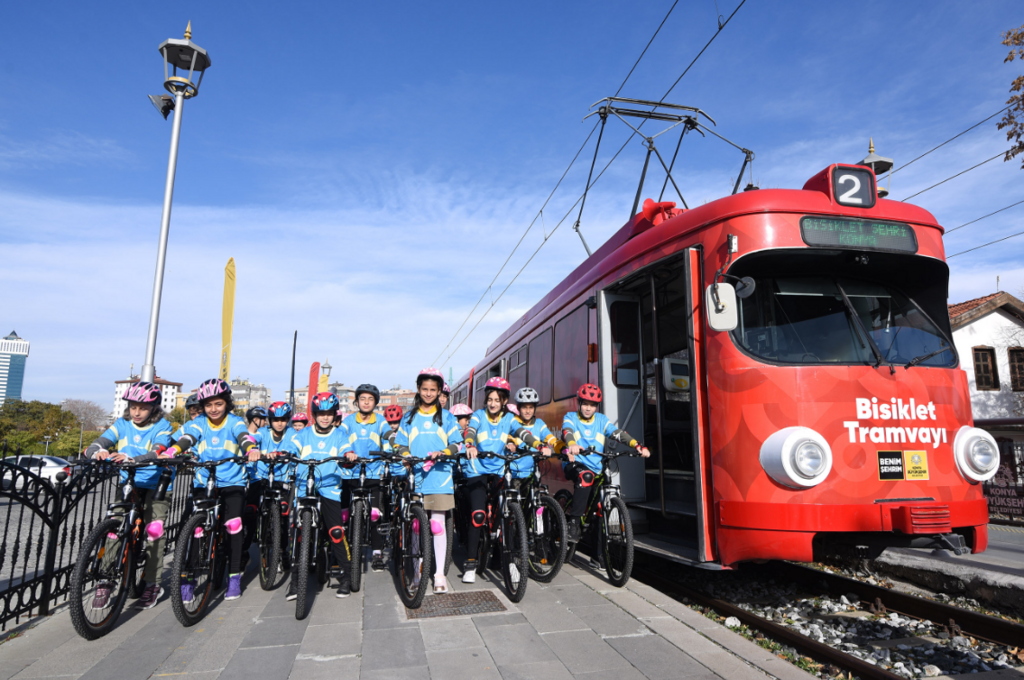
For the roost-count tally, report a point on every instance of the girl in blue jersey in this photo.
(323, 440)
(527, 399)
(492, 430)
(270, 440)
(217, 435)
(429, 431)
(140, 431)
(367, 435)
(585, 428)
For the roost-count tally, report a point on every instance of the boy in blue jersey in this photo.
(218, 435)
(270, 440)
(141, 431)
(367, 436)
(527, 399)
(492, 430)
(585, 428)
(429, 431)
(323, 440)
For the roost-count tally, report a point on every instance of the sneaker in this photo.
(513, 573)
(187, 594)
(378, 561)
(293, 590)
(575, 531)
(102, 597)
(344, 587)
(596, 562)
(440, 585)
(150, 596)
(234, 587)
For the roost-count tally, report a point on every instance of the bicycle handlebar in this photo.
(240, 460)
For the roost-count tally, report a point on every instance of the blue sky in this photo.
(370, 166)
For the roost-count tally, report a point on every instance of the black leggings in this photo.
(252, 511)
(583, 479)
(476, 491)
(330, 518)
(375, 495)
(232, 503)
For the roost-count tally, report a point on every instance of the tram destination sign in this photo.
(858, 234)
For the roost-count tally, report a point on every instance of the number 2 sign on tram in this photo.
(854, 187)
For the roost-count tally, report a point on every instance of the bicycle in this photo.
(275, 505)
(359, 520)
(310, 549)
(120, 534)
(201, 553)
(407, 537)
(546, 529)
(506, 524)
(615, 529)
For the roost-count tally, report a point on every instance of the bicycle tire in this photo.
(183, 573)
(82, 578)
(137, 569)
(515, 557)
(449, 528)
(564, 499)
(301, 573)
(220, 559)
(355, 543)
(410, 589)
(269, 535)
(548, 549)
(617, 542)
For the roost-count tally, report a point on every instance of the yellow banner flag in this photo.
(227, 320)
(322, 385)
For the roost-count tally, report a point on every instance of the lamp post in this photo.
(326, 367)
(47, 439)
(178, 54)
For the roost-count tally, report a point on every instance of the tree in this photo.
(1014, 117)
(177, 417)
(90, 413)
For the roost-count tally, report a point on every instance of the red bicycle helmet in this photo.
(393, 413)
(589, 392)
(498, 384)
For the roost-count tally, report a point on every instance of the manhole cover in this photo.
(457, 604)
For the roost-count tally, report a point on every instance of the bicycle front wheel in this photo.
(192, 571)
(100, 586)
(617, 542)
(413, 556)
(514, 555)
(547, 539)
(300, 572)
(355, 542)
(270, 544)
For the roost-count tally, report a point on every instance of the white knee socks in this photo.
(440, 543)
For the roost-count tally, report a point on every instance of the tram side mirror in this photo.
(720, 303)
(745, 287)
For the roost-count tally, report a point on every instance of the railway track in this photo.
(954, 620)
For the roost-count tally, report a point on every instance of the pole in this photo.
(291, 402)
(148, 368)
(81, 436)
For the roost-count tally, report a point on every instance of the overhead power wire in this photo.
(1001, 153)
(943, 144)
(721, 26)
(658, 30)
(950, 231)
(985, 245)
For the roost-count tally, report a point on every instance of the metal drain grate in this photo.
(457, 604)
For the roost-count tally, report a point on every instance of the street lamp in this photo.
(326, 367)
(47, 439)
(178, 54)
(878, 165)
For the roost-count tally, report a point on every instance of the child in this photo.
(462, 414)
(141, 430)
(393, 416)
(526, 400)
(367, 434)
(446, 393)
(219, 435)
(324, 440)
(586, 428)
(431, 432)
(299, 421)
(492, 429)
(270, 440)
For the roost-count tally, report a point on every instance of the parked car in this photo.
(47, 467)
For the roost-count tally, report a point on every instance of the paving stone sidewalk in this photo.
(578, 626)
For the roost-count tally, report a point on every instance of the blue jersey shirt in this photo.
(365, 439)
(306, 443)
(589, 434)
(199, 476)
(423, 436)
(524, 467)
(265, 441)
(134, 441)
(219, 443)
(491, 437)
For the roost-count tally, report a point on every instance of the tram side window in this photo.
(539, 369)
(624, 317)
(517, 370)
(986, 375)
(571, 353)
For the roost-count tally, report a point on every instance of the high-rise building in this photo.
(168, 394)
(13, 353)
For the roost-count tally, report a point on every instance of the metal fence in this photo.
(43, 525)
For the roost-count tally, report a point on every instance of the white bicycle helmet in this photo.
(527, 395)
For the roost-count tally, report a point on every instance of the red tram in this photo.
(787, 356)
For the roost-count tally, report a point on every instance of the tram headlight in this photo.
(976, 453)
(797, 457)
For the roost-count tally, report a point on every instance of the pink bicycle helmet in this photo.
(215, 387)
(498, 384)
(446, 389)
(461, 411)
(142, 393)
(431, 373)
(512, 408)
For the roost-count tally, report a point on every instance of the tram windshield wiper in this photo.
(925, 357)
(879, 359)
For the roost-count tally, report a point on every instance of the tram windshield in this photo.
(838, 320)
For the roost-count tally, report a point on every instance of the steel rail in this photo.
(955, 619)
(812, 648)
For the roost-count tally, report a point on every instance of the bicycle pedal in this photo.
(383, 528)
